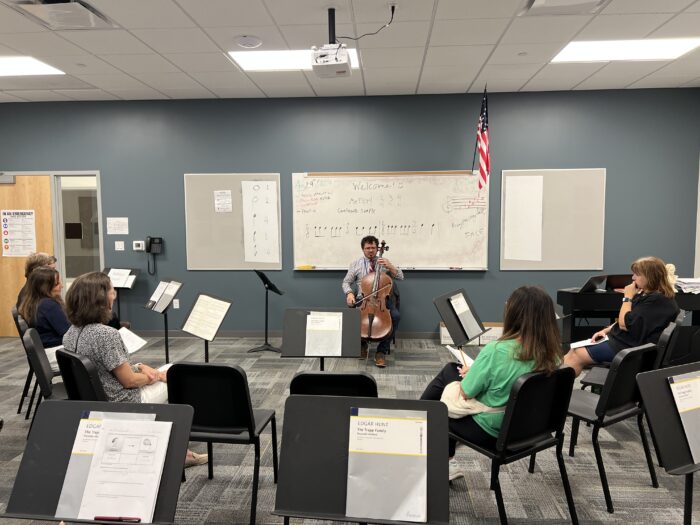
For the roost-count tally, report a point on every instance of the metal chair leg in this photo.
(31, 400)
(688, 504)
(574, 436)
(496, 487)
(647, 452)
(256, 474)
(601, 470)
(210, 459)
(531, 468)
(274, 448)
(25, 390)
(565, 481)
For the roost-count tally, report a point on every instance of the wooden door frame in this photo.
(57, 209)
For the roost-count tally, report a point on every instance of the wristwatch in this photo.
(626, 300)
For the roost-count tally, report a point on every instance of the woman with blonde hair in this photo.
(647, 307)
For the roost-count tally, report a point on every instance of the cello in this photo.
(375, 287)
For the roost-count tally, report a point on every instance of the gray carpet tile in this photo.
(536, 498)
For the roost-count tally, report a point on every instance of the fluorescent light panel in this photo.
(611, 50)
(25, 66)
(294, 60)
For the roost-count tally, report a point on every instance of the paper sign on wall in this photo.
(18, 233)
(117, 225)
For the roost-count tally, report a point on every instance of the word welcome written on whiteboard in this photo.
(430, 220)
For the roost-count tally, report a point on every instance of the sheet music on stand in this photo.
(121, 277)
(324, 334)
(163, 296)
(686, 393)
(206, 317)
(466, 317)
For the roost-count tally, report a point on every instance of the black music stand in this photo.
(132, 272)
(269, 287)
(294, 334)
(313, 472)
(454, 325)
(39, 480)
(161, 306)
(667, 429)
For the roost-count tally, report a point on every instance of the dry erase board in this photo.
(552, 219)
(232, 221)
(430, 220)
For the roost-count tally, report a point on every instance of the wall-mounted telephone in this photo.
(154, 245)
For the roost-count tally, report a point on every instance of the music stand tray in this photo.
(313, 470)
(40, 477)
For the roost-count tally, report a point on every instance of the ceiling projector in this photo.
(330, 61)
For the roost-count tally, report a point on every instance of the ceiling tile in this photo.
(106, 42)
(352, 86)
(131, 14)
(504, 77)
(86, 94)
(455, 9)
(112, 82)
(39, 95)
(303, 37)
(190, 40)
(230, 84)
(398, 34)
(5, 97)
(190, 93)
(13, 22)
(140, 63)
(142, 93)
(615, 27)
(661, 79)
(561, 77)
(217, 13)
(6, 51)
(695, 8)
(445, 79)
(525, 53)
(285, 12)
(279, 83)
(543, 29)
(645, 6)
(82, 65)
(692, 83)
(618, 75)
(457, 55)
(683, 25)
(225, 37)
(382, 81)
(42, 82)
(392, 57)
(198, 62)
(162, 81)
(379, 12)
(467, 32)
(40, 44)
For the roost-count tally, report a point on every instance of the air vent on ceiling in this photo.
(562, 7)
(63, 14)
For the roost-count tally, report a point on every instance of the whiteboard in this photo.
(430, 220)
(232, 221)
(552, 219)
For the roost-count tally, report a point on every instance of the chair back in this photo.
(218, 393)
(663, 343)
(359, 384)
(20, 323)
(80, 377)
(40, 363)
(620, 390)
(536, 408)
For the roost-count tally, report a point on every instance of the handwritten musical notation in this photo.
(260, 225)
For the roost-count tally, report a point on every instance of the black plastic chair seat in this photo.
(58, 391)
(262, 418)
(513, 451)
(583, 406)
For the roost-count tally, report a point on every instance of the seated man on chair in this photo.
(358, 269)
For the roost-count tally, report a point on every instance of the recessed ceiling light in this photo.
(25, 66)
(611, 50)
(294, 60)
(248, 41)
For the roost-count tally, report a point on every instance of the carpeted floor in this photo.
(529, 498)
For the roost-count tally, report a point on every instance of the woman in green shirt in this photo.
(530, 342)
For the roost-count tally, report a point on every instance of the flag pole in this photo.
(476, 142)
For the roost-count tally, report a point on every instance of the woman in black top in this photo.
(647, 307)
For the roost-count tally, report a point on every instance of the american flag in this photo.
(482, 142)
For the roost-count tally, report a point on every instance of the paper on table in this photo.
(126, 468)
(460, 357)
(206, 316)
(686, 394)
(132, 342)
(522, 232)
(324, 334)
(119, 277)
(387, 465)
(587, 342)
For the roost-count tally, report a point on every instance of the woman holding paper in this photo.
(89, 305)
(647, 307)
(530, 342)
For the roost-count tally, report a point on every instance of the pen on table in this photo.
(120, 519)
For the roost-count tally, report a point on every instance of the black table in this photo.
(314, 457)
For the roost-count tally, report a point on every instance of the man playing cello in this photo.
(359, 269)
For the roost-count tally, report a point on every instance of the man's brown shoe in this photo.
(363, 349)
(379, 360)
